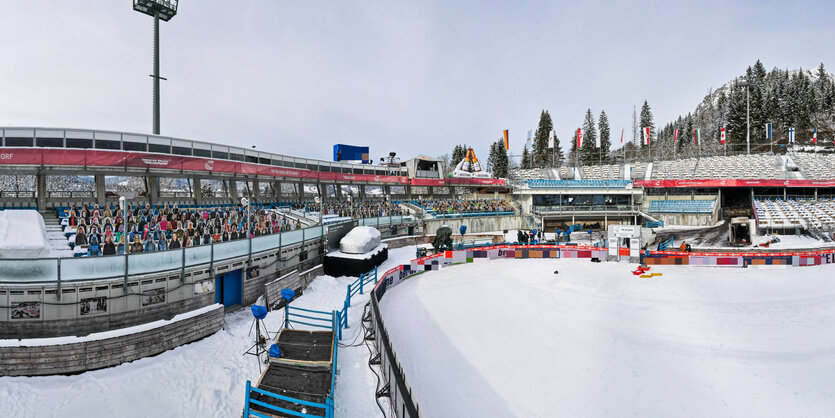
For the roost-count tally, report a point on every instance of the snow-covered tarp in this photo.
(360, 240)
(23, 234)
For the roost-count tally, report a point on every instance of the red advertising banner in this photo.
(19, 156)
(734, 183)
(428, 182)
(493, 182)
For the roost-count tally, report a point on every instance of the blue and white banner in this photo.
(791, 135)
(767, 131)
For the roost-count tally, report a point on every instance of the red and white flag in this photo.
(646, 135)
(722, 136)
(621, 135)
(675, 136)
(579, 137)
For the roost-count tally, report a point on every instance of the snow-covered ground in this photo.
(205, 378)
(787, 242)
(510, 338)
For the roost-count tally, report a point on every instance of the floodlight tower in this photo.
(158, 9)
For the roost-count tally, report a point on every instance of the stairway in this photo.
(55, 234)
(415, 210)
(816, 232)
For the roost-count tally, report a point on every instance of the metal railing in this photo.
(70, 193)
(17, 194)
(328, 407)
(358, 286)
(335, 321)
(585, 208)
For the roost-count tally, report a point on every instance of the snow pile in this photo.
(23, 234)
(360, 240)
(594, 340)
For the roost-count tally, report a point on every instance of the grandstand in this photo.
(816, 166)
(465, 207)
(578, 184)
(739, 167)
(790, 213)
(674, 169)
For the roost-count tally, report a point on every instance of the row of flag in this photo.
(645, 132)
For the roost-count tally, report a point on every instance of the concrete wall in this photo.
(91, 355)
(476, 224)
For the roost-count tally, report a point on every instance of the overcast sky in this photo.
(411, 77)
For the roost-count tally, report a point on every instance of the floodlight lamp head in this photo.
(166, 9)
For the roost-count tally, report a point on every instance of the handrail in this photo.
(249, 412)
(328, 406)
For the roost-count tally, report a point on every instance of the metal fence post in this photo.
(347, 304)
(286, 313)
(246, 399)
(212, 261)
(183, 267)
(126, 273)
(58, 291)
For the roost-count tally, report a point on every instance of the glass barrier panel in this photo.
(291, 237)
(264, 243)
(83, 268)
(155, 261)
(198, 255)
(313, 232)
(230, 249)
(34, 270)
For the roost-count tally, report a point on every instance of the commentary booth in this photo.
(624, 242)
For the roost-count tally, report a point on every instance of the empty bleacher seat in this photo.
(578, 184)
(681, 206)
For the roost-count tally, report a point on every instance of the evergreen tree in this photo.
(540, 153)
(458, 154)
(736, 127)
(526, 158)
(589, 152)
(556, 155)
(491, 158)
(501, 162)
(647, 120)
(605, 139)
(572, 154)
